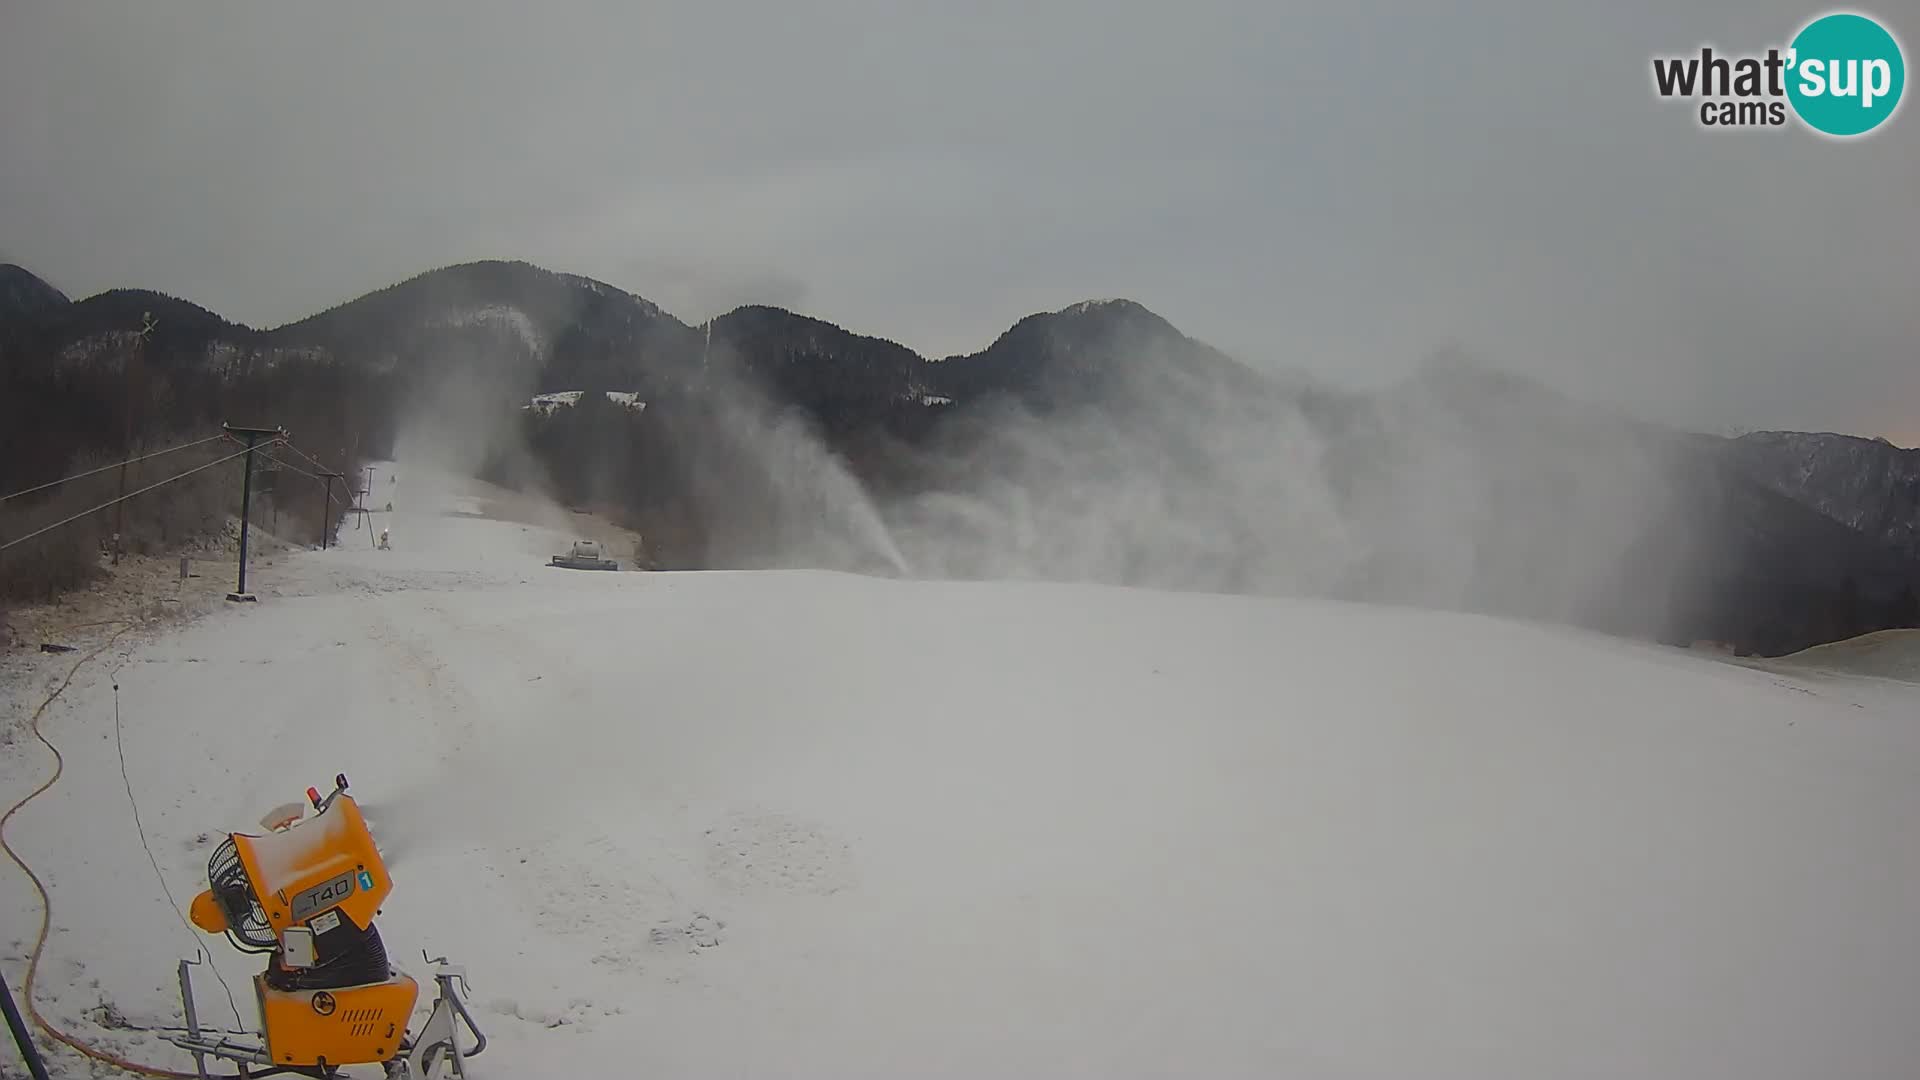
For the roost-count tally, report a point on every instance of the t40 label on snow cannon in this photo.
(322, 896)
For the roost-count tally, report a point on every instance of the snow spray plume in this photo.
(1163, 464)
(1457, 489)
(462, 802)
(771, 493)
(461, 411)
(1486, 491)
(510, 788)
(462, 422)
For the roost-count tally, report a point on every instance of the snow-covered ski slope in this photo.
(807, 824)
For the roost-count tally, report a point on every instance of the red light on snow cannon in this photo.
(313, 796)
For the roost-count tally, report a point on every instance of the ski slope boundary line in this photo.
(46, 901)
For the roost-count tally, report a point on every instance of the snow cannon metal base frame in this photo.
(306, 894)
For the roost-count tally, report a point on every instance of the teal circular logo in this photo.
(1845, 75)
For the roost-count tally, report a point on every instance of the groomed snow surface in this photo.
(806, 824)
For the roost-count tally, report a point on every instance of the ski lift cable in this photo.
(121, 499)
(104, 468)
(290, 467)
(311, 460)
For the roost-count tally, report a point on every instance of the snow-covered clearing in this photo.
(806, 824)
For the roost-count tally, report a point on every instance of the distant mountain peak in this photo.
(751, 318)
(1094, 319)
(1116, 304)
(493, 283)
(24, 293)
(1115, 311)
(773, 311)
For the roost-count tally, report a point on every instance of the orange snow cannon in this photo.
(306, 893)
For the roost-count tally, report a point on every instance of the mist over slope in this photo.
(1095, 443)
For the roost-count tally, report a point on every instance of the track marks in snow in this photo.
(700, 932)
(580, 1014)
(603, 893)
(758, 850)
(418, 676)
(634, 900)
(582, 887)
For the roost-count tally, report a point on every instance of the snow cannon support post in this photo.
(22, 1038)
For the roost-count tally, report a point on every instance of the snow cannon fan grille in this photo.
(247, 922)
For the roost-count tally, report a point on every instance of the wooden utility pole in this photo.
(147, 324)
(253, 437)
(326, 508)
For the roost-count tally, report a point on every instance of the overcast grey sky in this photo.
(1341, 188)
